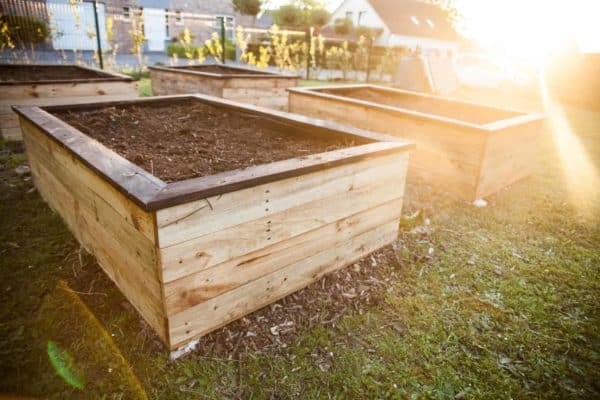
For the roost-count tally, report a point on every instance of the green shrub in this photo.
(229, 50)
(180, 50)
(183, 51)
(25, 29)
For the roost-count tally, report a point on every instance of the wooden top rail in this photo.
(487, 128)
(104, 75)
(151, 193)
(243, 72)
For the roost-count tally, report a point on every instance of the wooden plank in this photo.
(11, 134)
(37, 91)
(65, 100)
(259, 83)
(9, 120)
(187, 221)
(168, 83)
(219, 311)
(444, 155)
(113, 253)
(206, 284)
(510, 155)
(209, 250)
(129, 179)
(61, 159)
(198, 188)
(141, 247)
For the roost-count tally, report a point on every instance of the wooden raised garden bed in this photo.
(472, 150)
(234, 83)
(54, 84)
(243, 206)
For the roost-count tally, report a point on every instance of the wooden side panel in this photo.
(275, 98)
(511, 154)
(237, 241)
(444, 154)
(249, 256)
(93, 211)
(165, 83)
(211, 282)
(57, 90)
(260, 83)
(219, 311)
(191, 235)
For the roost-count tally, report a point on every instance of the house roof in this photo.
(415, 18)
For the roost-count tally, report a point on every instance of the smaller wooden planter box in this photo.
(195, 254)
(472, 150)
(234, 83)
(42, 85)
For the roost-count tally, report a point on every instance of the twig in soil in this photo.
(90, 293)
(152, 167)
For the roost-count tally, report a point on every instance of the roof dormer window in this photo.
(430, 23)
(414, 20)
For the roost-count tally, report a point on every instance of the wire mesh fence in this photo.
(90, 32)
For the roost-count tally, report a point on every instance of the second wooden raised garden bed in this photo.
(468, 149)
(203, 210)
(23, 84)
(246, 85)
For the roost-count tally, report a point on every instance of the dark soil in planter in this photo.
(435, 107)
(218, 69)
(180, 140)
(45, 72)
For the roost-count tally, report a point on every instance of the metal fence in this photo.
(88, 29)
(73, 31)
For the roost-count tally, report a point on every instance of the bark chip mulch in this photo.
(187, 139)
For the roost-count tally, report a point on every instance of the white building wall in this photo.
(369, 17)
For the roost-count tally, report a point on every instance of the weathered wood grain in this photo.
(124, 253)
(235, 272)
(454, 154)
(267, 90)
(219, 311)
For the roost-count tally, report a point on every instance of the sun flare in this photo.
(530, 30)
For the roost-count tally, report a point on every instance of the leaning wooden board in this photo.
(245, 85)
(194, 255)
(86, 85)
(470, 150)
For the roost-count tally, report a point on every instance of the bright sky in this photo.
(527, 27)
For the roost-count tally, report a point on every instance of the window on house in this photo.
(414, 20)
(350, 15)
(126, 14)
(178, 18)
(361, 17)
(430, 23)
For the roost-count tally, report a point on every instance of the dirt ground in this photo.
(190, 139)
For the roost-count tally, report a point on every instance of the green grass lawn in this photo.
(497, 302)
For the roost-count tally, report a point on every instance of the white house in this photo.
(404, 23)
